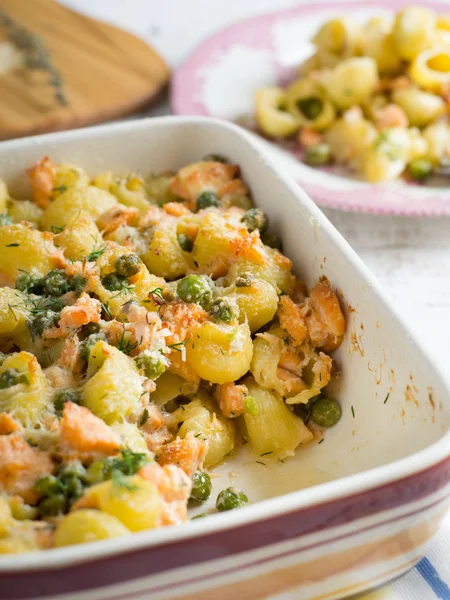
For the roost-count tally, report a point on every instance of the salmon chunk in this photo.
(84, 436)
(21, 466)
(187, 453)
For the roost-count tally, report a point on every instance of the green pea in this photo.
(128, 265)
(41, 321)
(201, 486)
(185, 242)
(72, 469)
(52, 506)
(152, 366)
(230, 498)
(270, 239)
(74, 488)
(304, 410)
(91, 328)
(222, 309)
(244, 280)
(207, 199)
(5, 219)
(55, 283)
(78, 284)
(326, 412)
(98, 471)
(255, 218)
(89, 343)
(318, 155)
(310, 107)
(113, 282)
(251, 406)
(12, 377)
(63, 396)
(29, 283)
(419, 169)
(194, 288)
(48, 485)
(214, 158)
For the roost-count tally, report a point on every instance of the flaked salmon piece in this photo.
(292, 384)
(85, 310)
(308, 137)
(200, 177)
(292, 320)
(8, 424)
(390, 115)
(21, 466)
(84, 436)
(42, 180)
(115, 217)
(174, 487)
(231, 399)
(187, 453)
(176, 209)
(325, 321)
(182, 319)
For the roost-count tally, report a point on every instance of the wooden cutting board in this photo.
(60, 69)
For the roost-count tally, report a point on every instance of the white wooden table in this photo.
(411, 257)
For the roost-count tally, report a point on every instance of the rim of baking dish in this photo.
(349, 485)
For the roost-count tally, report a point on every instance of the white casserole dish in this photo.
(380, 479)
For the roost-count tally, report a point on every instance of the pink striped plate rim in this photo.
(222, 73)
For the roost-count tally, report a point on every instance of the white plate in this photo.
(220, 77)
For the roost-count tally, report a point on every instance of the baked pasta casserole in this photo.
(149, 327)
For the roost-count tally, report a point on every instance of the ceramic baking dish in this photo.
(344, 515)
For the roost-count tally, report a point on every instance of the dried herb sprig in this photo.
(37, 57)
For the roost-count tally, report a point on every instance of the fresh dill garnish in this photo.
(13, 245)
(60, 188)
(260, 462)
(55, 229)
(97, 251)
(125, 345)
(353, 412)
(121, 482)
(387, 398)
(106, 309)
(157, 292)
(144, 418)
(322, 440)
(265, 454)
(177, 346)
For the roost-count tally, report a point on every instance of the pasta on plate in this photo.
(373, 98)
(148, 328)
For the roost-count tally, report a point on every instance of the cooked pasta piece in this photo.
(352, 81)
(422, 108)
(413, 31)
(307, 102)
(273, 430)
(431, 69)
(270, 113)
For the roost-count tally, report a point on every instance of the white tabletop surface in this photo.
(411, 257)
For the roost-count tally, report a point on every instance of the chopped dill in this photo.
(177, 346)
(387, 398)
(125, 345)
(55, 229)
(97, 251)
(144, 418)
(353, 412)
(265, 454)
(13, 245)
